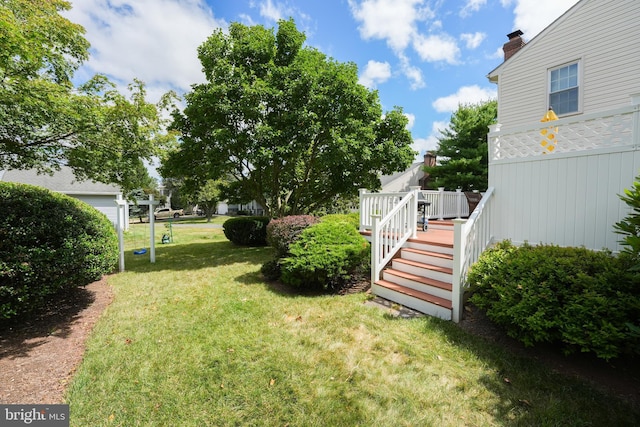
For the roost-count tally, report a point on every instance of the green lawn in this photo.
(199, 339)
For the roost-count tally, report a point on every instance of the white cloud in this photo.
(414, 74)
(412, 120)
(472, 6)
(153, 40)
(435, 48)
(430, 143)
(390, 20)
(375, 72)
(472, 41)
(465, 95)
(532, 16)
(272, 11)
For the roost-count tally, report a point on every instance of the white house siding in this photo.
(603, 35)
(105, 204)
(562, 200)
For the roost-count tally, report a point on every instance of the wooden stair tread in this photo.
(416, 294)
(424, 280)
(428, 253)
(423, 265)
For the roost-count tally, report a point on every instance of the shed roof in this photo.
(62, 181)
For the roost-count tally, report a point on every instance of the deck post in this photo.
(414, 211)
(363, 209)
(440, 203)
(459, 202)
(458, 260)
(375, 248)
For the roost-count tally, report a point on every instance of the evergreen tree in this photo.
(462, 150)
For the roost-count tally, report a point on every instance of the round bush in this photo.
(49, 242)
(582, 300)
(324, 257)
(282, 232)
(247, 230)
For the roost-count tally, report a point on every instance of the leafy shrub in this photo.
(246, 231)
(629, 227)
(49, 243)
(281, 233)
(324, 256)
(271, 269)
(581, 299)
(351, 218)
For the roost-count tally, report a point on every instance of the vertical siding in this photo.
(568, 201)
(603, 34)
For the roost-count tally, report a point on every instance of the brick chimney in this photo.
(514, 44)
(429, 160)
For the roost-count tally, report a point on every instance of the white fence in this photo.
(443, 204)
(568, 197)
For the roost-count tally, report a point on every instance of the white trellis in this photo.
(119, 227)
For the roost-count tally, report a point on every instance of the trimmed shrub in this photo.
(351, 218)
(324, 257)
(282, 232)
(49, 243)
(271, 269)
(247, 231)
(583, 300)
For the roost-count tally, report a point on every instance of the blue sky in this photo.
(426, 56)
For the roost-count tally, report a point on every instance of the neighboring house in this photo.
(100, 196)
(558, 182)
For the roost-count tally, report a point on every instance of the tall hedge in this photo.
(49, 242)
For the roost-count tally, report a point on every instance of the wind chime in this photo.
(549, 134)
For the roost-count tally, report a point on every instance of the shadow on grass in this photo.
(21, 335)
(193, 256)
(531, 392)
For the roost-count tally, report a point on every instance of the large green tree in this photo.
(291, 126)
(46, 121)
(462, 149)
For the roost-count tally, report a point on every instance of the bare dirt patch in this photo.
(38, 357)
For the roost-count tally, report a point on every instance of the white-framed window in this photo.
(564, 88)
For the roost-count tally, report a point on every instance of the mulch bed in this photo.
(38, 357)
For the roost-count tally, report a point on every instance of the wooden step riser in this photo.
(427, 259)
(428, 247)
(423, 272)
(418, 286)
(412, 302)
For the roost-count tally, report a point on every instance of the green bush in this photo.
(271, 269)
(324, 257)
(49, 243)
(282, 232)
(351, 218)
(247, 231)
(583, 300)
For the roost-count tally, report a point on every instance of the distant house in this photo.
(100, 196)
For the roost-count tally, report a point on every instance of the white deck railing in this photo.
(470, 238)
(443, 204)
(390, 232)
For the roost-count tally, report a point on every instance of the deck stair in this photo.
(420, 277)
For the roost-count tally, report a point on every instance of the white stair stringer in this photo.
(411, 298)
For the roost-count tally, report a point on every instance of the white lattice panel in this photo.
(571, 135)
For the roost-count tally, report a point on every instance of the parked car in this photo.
(164, 213)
